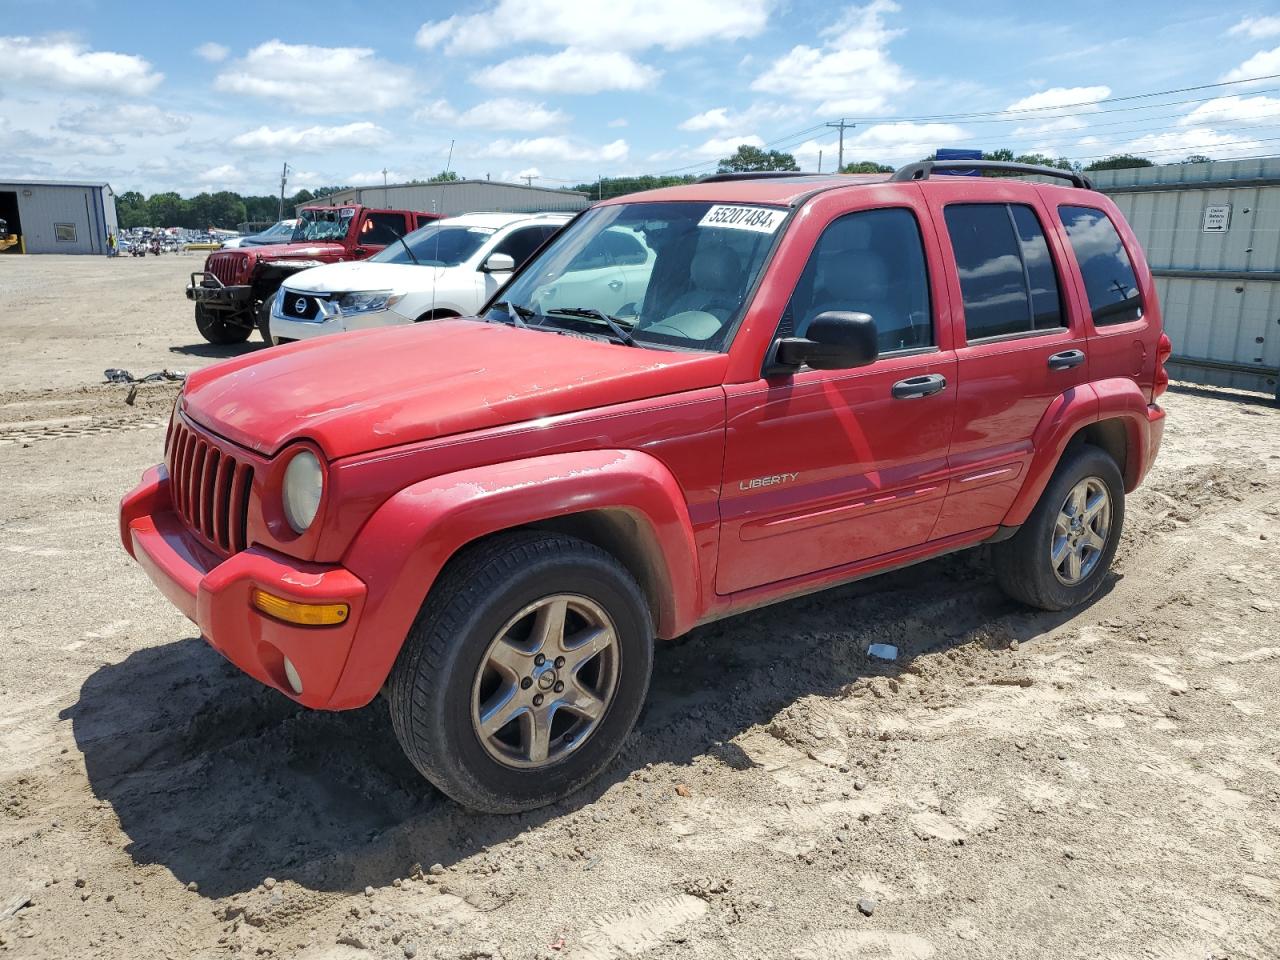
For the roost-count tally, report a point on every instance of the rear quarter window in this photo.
(1108, 273)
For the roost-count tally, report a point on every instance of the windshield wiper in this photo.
(515, 312)
(591, 313)
(400, 237)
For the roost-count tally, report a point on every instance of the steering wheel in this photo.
(688, 324)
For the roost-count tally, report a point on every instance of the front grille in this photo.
(298, 306)
(226, 267)
(209, 487)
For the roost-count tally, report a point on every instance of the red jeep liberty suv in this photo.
(689, 403)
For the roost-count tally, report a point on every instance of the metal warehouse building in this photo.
(1212, 236)
(54, 216)
(461, 196)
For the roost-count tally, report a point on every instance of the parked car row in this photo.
(685, 404)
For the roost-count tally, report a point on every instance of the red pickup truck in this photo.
(232, 294)
(690, 403)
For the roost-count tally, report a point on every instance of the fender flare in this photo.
(1070, 412)
(402, 548)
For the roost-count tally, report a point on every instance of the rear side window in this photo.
(1007, 277)
(380, 229)
(1108, 273)
(869, 262)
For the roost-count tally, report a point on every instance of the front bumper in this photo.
(207, 289)
(216, 594)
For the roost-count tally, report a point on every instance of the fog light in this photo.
(291, 674)
(305, 614)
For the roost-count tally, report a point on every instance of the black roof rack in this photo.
(759, 175)
(922, 170)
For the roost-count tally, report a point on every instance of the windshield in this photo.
(284, 228)
(327, 223)
(674, 274)
(436, 245)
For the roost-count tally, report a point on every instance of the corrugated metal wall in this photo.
(464, 196)
(89, 209)
(1220, 288)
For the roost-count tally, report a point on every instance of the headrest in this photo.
(716, 268)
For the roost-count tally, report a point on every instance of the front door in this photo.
(826, 468)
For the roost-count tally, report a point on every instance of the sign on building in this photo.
(1217, 218)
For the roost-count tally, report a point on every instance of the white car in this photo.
(279, 232)
(448, 268)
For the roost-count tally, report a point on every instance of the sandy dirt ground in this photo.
(1098, 784)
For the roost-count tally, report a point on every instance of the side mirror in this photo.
(835, 340)
(498, 263)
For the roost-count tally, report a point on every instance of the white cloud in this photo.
(557, 149)
(720, 118)
(226, 173)
(900, 142)
(625, 25)
(617, 122)
(318, 138)
(1230, 109)
(125, 119)
(850, 73)
(1262, 64)
(529, 172)
(713, 119)
(502, 113)
(1055, 125)
(63, 64)
(1175, 144)
(724, 146)
(318, 79)
(569, 71)
(213, 52)
(1256, 28)
(1062, 97)
(374, 178)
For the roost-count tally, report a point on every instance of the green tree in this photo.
(749, 159)
(1198, 158)
(166, 210)
(866, 166)
(1120, 161)
(617, 186)
(445, 176)
(131, 210)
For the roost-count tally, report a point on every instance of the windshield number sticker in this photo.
(759, 219)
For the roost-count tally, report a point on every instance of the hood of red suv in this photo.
(356, 392)
(314, 250)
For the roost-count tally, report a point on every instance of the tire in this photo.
(1025, 563)
(217, 330)
(264, 322)
(445, 671)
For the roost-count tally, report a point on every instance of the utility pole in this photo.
(284, 178)
(384, 186)
(842, 125)
(528, 179)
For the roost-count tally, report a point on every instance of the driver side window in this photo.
(868, 262)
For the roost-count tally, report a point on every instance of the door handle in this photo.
(615, 285)
(913, 388)
(1066, 360)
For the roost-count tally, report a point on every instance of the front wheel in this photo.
(524, 672)
(217, 330)
(1060, 556)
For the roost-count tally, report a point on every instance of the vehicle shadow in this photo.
(219, 351)
(225, 782)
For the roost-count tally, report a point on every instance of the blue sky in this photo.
(194, 97)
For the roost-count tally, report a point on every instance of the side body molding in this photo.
(403, 547)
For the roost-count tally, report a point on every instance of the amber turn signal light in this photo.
(304, 614)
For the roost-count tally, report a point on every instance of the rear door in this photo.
(1020, 341)
(829, 467)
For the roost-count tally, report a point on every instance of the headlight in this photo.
(367, 301)
(303, 484)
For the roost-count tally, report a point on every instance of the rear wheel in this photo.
(216, 328)
(524, 672)
(1061, 555)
